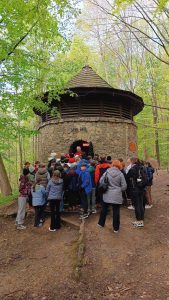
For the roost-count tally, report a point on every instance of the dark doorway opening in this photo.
(86, 147)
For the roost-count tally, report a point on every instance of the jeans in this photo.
(92, 200)
(21, 210)
(39, 214)
(137, 197)
(55, 214)
(116, 215)
(84, 200)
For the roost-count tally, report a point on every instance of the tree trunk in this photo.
(155, 121)
(5, 186)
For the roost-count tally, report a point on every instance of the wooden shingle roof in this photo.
(87, 78)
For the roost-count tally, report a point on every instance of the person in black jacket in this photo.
(137, 180)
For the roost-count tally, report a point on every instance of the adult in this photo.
(113, 196)
(78, 151)
(150, 173)
(137, 180)
(101, 168)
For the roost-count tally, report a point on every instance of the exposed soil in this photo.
(131, 265)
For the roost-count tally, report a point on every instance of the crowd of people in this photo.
(76, 182)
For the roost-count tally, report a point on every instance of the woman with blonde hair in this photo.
(113, 196)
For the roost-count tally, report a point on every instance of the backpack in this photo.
(103, 187)
(141, 180)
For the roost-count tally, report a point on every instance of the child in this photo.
(38, 201)
(55, 192)
(23, 195)
(85, 185)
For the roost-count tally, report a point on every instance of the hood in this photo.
(57, 182)
(114, 172)
(37, 187)
(42, 171)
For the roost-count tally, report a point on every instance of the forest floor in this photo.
(131, 265)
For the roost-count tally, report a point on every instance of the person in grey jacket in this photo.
(54, 195)
(113, 196)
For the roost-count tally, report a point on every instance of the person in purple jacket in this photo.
(22, 199)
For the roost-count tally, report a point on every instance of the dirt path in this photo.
(131, 265)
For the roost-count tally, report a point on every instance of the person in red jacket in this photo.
(101, 168)
(78, 151)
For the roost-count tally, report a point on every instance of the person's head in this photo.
(42, 166)
(120, 159)
(37, 162)
(66, 167)
(27, 164)
(77, 158)
(78, 148)
(56, 175)
(109, 158)
(83, 155)
(71, 155)
(96, 157)
(26, 172)
(147, 164)
(102, 159)
(89, 157)
(62, 158)
(32, 169)
(83, 167)
(93, 163)
(116, 164)
(133, 160)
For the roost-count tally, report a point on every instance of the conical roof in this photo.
(87, 78)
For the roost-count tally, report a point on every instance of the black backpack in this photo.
(142, 179)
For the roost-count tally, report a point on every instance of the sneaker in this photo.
(134, 223)
(115, 231)
(100, 226)
(94, 211)
(39, 225)
(131, 207)
(84, 216)
(148, 206)
(140, 225)
(52, 230)
(21, 227)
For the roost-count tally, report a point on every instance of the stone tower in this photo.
(92, 114)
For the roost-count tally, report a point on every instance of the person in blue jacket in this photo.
(85, 186)
(81, 161)
(38, 201)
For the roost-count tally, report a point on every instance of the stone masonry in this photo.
(110, 136)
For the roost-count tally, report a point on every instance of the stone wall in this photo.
(109, 136)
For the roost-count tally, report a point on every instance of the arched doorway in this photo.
(86, 147)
